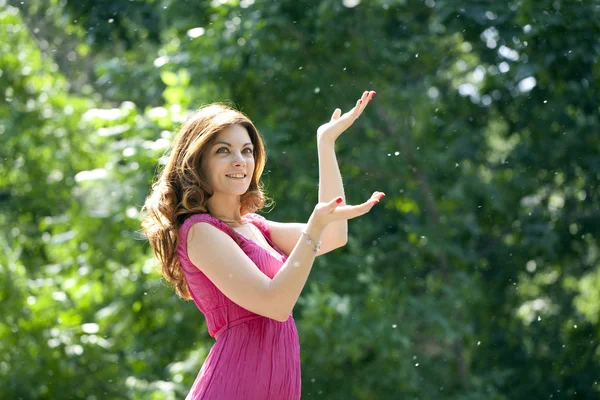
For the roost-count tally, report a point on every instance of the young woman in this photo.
(243, 272)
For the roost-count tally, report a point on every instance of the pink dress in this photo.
(253, 357)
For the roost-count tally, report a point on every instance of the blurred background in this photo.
(477, 277)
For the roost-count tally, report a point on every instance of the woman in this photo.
(243, 272)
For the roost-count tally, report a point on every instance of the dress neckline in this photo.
(267, 239)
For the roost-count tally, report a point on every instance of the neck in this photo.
(225, 208)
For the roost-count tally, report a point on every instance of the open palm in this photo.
(340, 122)
(332, 211)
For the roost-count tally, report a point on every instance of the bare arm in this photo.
(330, 178)
(335, 235)
(233, 273)
(285, 235)
(330, 187)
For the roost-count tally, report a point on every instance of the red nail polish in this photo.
(360, 102)
(338, 200)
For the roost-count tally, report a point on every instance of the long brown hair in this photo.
(181, 190)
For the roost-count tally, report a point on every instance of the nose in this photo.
(239, 160)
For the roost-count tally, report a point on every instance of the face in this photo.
(228, 164)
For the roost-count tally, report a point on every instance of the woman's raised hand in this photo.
(339, 123)
(326, 213)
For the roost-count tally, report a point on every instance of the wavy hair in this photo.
(181, 190)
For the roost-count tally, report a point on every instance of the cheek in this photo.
(203, 170)
(209, 169)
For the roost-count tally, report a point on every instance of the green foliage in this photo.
(478, 275)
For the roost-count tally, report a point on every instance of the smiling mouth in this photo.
(236, 176)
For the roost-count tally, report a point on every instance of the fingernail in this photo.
(360, 102)
(338, 200)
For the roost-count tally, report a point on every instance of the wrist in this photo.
(314, 228)
(311, 241)
(325, 141)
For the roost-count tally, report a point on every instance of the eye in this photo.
(248, 150)
(222, 148)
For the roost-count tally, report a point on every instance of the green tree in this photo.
(477, 278)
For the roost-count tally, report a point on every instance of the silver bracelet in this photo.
(310, 240)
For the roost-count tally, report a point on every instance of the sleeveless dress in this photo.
(253, 357)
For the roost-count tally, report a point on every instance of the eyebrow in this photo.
(230, 145)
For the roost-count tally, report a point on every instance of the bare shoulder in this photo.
(202, 232)
(218, 256)
(204, 239)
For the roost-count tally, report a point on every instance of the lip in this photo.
(237, 173)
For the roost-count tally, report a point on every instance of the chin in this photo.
(240, 192)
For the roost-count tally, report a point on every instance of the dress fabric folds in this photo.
(253, 357)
